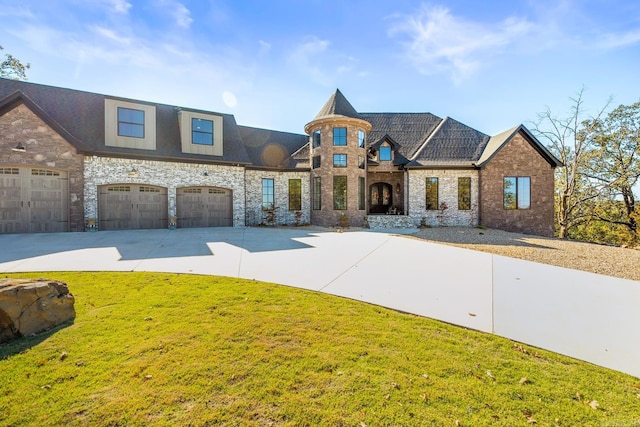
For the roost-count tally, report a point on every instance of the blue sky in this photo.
(273, 64)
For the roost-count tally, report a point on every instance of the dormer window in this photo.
(201, 131)
(130, 122)
(385, 153)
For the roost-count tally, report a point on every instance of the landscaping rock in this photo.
(29, 306)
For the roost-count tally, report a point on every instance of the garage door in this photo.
(132, 207)
(33, 200)
(204, 207)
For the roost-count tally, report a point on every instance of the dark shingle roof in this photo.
(271, 148)
(451, 142)
(408, 130)
(81, 114)
(337, 105)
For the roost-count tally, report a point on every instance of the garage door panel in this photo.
(33, 200)
(131, 207)
(204, 207)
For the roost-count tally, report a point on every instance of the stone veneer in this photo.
(518, 158)
(44, 148)
(447, 193)
(171, 175)
(255, 214)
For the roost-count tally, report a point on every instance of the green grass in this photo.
(163, 349)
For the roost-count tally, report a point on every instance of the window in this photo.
(339, 192)
(361, 138)
(267, 194)
(316, 139)
(431, 199)
(361, 193)
(295, 194)
(464, 193)
(360, 162)
(201, 131)
(517, 192)
(317, 194)
(339, 160)
(339, 136)
(130, 122)
(316, 162)
(385, 153)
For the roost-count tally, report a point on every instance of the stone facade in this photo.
(44, 147)
(518, 158)
(171, 175)
(447, 195)
(283, 216)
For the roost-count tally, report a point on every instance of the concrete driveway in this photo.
(377, 267)
(583, 315)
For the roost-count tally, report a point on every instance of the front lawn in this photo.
(167, 349)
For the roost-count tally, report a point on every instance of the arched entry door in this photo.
(380, 197)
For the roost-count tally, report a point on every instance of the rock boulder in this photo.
(30, 306)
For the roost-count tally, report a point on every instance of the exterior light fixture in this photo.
(205, 173)
(397, 188)
(19, 148)
(133, 172)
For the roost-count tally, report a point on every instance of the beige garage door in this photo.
(204, 207)
(132, 207)
(33, 200)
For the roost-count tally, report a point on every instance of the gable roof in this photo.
(498, 141)
(80, 117)
(452, 144)
(408, 130)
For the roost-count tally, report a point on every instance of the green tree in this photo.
(568, 139)
(615, 165)
(13, 68)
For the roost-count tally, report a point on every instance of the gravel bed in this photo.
(600, 259)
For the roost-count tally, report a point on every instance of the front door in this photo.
(380, 197)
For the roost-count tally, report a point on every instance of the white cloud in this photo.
(437, 41)
(265, 47)
(614, 41)
(179, 12)
(321, 64)
(111, 35)
(120, 6)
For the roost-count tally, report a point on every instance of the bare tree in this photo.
(568, 139)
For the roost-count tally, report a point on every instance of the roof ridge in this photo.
(429, 137)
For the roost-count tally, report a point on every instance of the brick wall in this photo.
(44, 148)
(447, 193)
(518, 158)
(255, 214)
(172, 175)
(328, 216)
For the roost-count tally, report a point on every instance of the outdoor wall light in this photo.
(205, 173)
(19, 148)
(133, 172)
(397, 188)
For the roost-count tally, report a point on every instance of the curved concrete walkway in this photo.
(442, 282)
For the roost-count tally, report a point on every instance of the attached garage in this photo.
(33, 200)
(132, 207)
(204, 207)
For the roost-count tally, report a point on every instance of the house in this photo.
(76, 161)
